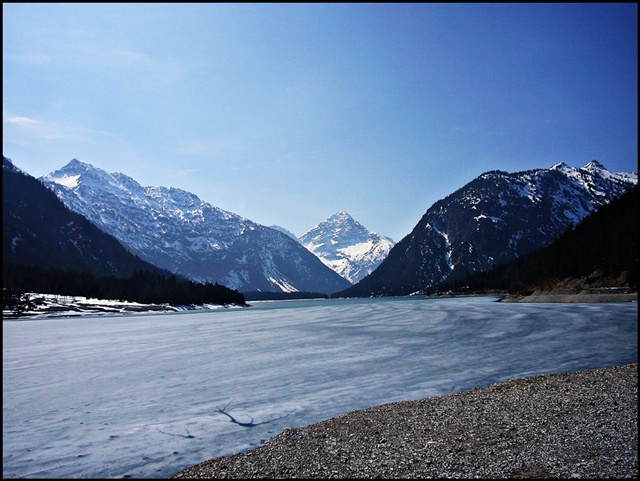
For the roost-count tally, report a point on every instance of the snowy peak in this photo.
(594, 166)
(341, 217)
(346, 246)
(75, 167)
(340, 228)
(70, 174)
(77, 172)
(174, 229)
(562, 167)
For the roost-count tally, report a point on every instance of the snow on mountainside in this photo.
(496, 217)
(346, 246)
(39, 231)
(174, 229)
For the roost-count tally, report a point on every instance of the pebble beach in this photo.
(570, 425)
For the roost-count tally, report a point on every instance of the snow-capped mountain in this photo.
(39, 231)
(346, 246)
(495, 218)
(175, 230)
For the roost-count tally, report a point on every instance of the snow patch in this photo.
(69, 181)
(282, 284)
(484, 216)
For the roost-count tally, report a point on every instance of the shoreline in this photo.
(51, 305)
(574, 295)
(555, 296)
(571, 425)
(47, 306)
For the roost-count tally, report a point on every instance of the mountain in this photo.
(497, 217)
(175, 230)
(346, 246)
(601, 252)
(284, 231)
(38, 230)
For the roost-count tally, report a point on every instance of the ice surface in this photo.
(137, 396)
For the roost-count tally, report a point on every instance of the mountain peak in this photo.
(76, 164)
(74, 173)
(340, 216)
(560, 166)
(346, 246)
(593, 166)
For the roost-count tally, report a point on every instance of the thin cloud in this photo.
(49, 130)
(186, 172)
(44, 130)
(20, 121)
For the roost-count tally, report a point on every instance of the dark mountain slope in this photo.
(600, 251)
(47, 248)
(495, 218)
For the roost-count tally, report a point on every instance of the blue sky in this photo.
(288, 113)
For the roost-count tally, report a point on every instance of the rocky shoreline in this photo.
(571, 425)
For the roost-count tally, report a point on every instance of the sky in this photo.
(288, 113)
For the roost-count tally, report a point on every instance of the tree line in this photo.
(281, 296)
(142, 286)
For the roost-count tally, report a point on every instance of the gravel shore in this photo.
(573, 425)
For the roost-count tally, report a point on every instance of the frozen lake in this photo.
(137, 396)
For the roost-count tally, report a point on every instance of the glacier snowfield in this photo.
(138, 395)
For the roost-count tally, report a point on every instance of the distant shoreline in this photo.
(563, 296)
(46, 306)
(554, 296)
(94, 307)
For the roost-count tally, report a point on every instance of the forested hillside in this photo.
(602, 250)
(146, 287)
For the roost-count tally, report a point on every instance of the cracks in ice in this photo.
(188, 435)
(250, 424)
(232, 419)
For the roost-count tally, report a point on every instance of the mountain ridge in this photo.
(494, 218)
(598, 255)
(176, 230)
(39, 230)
